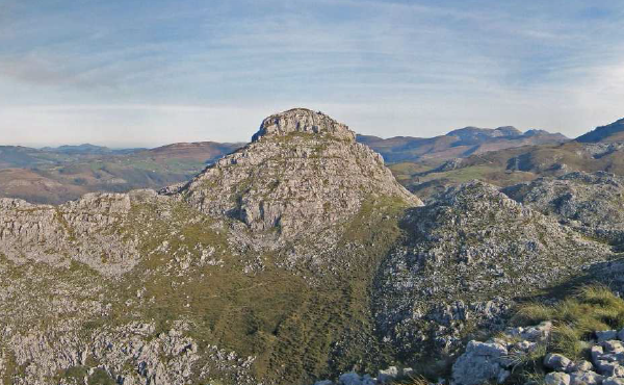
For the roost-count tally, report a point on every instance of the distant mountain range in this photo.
(56, 175)
(458, 143)
(89, 149)
(599, 150)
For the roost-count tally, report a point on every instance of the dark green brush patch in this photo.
(100, 377)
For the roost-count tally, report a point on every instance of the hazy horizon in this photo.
(144, 74)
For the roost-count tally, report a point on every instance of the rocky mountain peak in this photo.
(302, 120)
(303, 171)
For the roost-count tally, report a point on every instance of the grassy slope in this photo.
(298, 328)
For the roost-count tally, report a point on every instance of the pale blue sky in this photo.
(150, 72)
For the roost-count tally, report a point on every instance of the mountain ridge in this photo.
(461, 142)
(611, 133)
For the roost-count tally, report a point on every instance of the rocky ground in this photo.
(297, 258)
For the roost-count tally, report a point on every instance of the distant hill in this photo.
(611, 133)
(458, 143)
(57, 175)
(599, 150)
(204, 151)
(83, 149)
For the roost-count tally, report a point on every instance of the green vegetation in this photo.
(292, 324)
(100, 377)
(575, 319)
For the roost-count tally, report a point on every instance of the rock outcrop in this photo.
(495, 360)
(303, 172)
(590, 203)
(464, 258)
(296, 258)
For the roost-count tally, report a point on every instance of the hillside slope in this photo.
(611, 133)
(514, 165)
(296, 258)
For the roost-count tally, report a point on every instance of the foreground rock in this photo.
(492, 361)
(495, 360)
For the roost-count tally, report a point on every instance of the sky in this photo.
(142, 73)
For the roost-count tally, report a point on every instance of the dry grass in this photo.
(589, 309)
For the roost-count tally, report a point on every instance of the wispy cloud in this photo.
(386, 67)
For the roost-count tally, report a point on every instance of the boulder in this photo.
(486, 349)
(480, 364)
(613, 381)
(585, 378)
(538, 333)
(596, 353)
(388, 375)
(557, 362)
(610, 369)
(612, 346)
(557, 378)
(582, 366)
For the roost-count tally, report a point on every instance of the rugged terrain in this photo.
(296, 258)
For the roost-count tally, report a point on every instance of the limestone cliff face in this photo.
(81, 231)
(303, 171)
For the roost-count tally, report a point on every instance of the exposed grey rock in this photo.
(557, 378)
(596, 353)
(462, 262)
(610, 369)
(302, 173)
(557, 362)
(388, 375)
(585, 378)
(481, 363)
(96, 286)
(592, 203)
(583, 366)
(613, 381)
(603, 336)
(612, 346)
